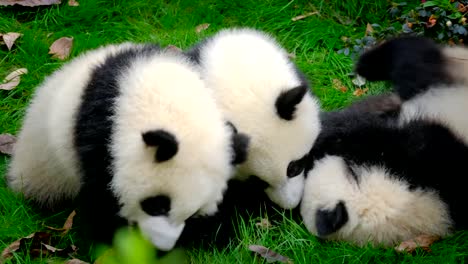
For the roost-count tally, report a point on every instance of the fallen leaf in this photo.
(292, 55)
(61, 48)
(201, 27)
(360, 92)
(359, 80)
(76, 261)
(264, 223)
(269, 255)
(338, 85)
(51, 248)
(173, 48)
(369, 29)
(10, 38)
(421, 241)
(68, 223)
(7, 143)
(66, 226)
(303, 16)
(8, 251)
(29, 2)
(13, 79)
(73, 3)
(34, 240)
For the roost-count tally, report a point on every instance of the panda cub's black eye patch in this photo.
(295, 167)
(157, 205)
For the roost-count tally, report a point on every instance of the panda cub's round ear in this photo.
(166, 142)
(286, 102)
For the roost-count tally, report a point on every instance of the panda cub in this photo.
(131, 132)
(387, 175)
(262, 92)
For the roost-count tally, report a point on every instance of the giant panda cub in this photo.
(263, 93)
(387, 175)
(134, 135)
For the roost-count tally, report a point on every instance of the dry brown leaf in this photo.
(10, 38)
(360, 92)
(421, 241)
(29, 2)
(269, 255)
(338, 85)
(13, 79)
(73, 3)
(264, 223)
(8, 251)
(7, 143)
(66, 226)
(76, 261)
(173, 48)
(201, 27)
(68, 223)
(61, 48)
(369, 29)
(35, 240)
(303, 16)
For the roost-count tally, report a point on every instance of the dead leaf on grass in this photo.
(174, 49)
(8, 251)
(338, 85)
(13, 79)
(29, 2)
(369, 29)
(269, 255)
(73, 3)
(68, 223)
(10, 38)
(421, 241)
(360, 92)
(76, 261)
(7, 143)
(303, 16)
(66, 226)
(201, 27)
(61, 48)
(35, 239)
(264, 223)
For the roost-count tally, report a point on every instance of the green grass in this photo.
(313, 40)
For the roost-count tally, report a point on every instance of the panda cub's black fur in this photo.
(395, 162)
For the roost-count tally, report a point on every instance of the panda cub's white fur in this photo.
(249, 73)
(44, 165)
(133, 118)
(383, 176)
(380, 208)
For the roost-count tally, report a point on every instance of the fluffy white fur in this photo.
(381, 209)
(444, 105)
(44, 165)
(161, 91)
(164, 92)
(247, 70)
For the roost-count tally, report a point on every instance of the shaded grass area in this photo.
(313, 41)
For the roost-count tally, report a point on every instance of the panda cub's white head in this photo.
(265, 96)
(366, 204)
(171, 147)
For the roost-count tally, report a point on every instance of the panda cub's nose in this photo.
(329, 221)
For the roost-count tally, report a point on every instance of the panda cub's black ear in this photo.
(287, 101)
(166, 142)
(240, 145)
